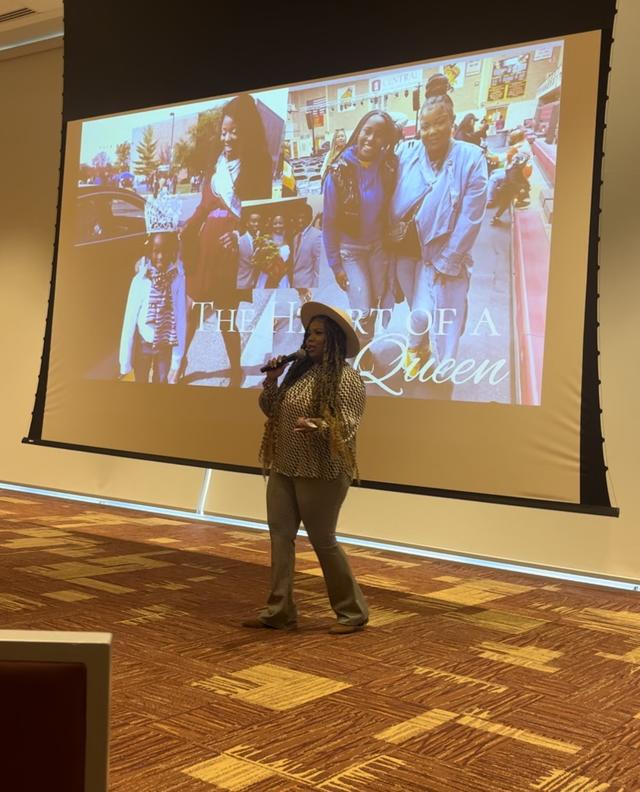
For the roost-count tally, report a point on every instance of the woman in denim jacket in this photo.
(435, 216)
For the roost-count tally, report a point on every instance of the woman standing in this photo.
(436, 212)
(357, 191)
(309, 448)
(242, 171)
(338, 143)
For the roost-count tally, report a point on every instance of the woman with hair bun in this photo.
(436, 211)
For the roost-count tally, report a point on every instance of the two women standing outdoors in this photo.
(407, 213)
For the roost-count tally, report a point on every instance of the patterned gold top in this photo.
(308, 454)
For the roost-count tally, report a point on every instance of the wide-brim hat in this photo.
(312, 309)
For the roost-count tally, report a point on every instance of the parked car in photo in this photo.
(108, 239)
(107, 213)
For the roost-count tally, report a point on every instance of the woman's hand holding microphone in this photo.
(275, 368)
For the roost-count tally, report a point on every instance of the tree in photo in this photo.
(123, 156)
(101, 167)
(147, 162)
(195, 153)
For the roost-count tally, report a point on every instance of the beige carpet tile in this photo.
(468, 679)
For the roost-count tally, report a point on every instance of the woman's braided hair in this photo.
(325, 403)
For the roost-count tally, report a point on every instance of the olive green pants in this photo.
(315, 502)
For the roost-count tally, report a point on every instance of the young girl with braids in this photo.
(309, 449)
(154, 325)
(436, 212)
(153, 338)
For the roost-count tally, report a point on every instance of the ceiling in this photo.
(45, 24)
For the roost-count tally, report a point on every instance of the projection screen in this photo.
(472, 355)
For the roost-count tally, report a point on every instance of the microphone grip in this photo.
(299, 354)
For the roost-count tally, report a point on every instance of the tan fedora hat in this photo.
(312, 309)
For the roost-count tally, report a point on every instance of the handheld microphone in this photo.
(299, 354)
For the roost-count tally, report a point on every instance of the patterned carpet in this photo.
(467, 678)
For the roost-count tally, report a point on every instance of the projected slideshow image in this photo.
(418, 198)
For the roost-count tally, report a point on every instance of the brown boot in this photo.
(256, 624)
(345, 629)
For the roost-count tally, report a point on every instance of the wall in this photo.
(30, 89)
(30, 134)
